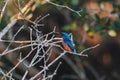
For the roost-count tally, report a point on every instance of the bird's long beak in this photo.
(57, 33)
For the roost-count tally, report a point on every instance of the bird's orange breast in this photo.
(66, 47)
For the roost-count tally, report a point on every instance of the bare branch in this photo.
(3, 10)
(63, 6)
(5, 30)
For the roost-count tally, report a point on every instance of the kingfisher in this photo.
(68, 43)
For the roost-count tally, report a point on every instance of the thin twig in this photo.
(3, 10)
(5, 30)
(63, 6)
(50, 77)
(20, 61)
(87, 49)
(48, 65)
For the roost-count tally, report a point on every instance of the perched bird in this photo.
(68, 42)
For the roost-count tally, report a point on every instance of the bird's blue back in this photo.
(67, 39)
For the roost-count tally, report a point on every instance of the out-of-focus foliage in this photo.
(71, 26)
(2, 24)
(1, 2)
(99, 18)
(103, 15)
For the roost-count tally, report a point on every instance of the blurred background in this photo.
(98, 23)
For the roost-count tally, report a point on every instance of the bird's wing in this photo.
(70, 44)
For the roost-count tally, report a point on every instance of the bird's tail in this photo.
(75, 52)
